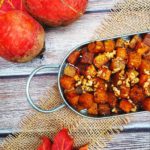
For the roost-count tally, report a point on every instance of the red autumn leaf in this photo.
(45, 145)
(63, 141)
(7, 5)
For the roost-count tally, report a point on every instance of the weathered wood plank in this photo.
(59, 41)
(14, 106)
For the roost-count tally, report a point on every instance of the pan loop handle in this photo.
(30, 100)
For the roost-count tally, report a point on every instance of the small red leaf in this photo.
(7, 5)
(45, 145)
(63, 141)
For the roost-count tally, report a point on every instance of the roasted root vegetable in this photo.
(100, 60)
(67, 82)
(146, 39)
(100, 96)
(72, 59)
(104, 109)
(109, 45)
(146, 104)
(93, 110)
(122, 53)
(87, 58)
(109, 78)
(134, 60)
(86, 100)
(70, 71)
(125, 106)
(104, 73)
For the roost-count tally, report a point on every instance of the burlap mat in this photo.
(127, 16)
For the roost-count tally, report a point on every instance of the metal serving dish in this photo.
(82, 113)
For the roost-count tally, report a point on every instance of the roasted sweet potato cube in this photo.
(143, 79)
(125, 106)
(91, 71)
(100, 96)
(124, 91)
(96, 47)
(100, 84)
(134, 41)
(109, 45)
(117, 65)
(104, 73)
(67, 82)
(70, 71)
(147, 56)
(145, 67)
(72, 98)
(86, 100)
(87, 58)
(146, 104)
(112, 99)
(143, 50)
(100, 60)
(73, 57)
(93, 110)
(120, 43)
(134, 60)
(81, 68)
(146, 39)
(122, 53)
(104, 109)
(137, 94)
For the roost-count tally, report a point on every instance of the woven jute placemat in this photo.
(127, 16)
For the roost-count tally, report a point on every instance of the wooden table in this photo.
(13, 77)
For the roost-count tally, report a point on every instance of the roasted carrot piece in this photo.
(93, 110)
(112, 99)
(104, 109)
(143, 79)
(67, 82)
(145, 67)
(87, 58)
(134, 60)
(137, 94)
(70, 71)
(91, 71)
(109, 45)
(72, 59)
(100, 84)
(104, 73)
(86, 100)
(146, 104)
(96, 47)
(143, 50)
(125, 105)
(122, 53)
(124, 91)
(100, 96)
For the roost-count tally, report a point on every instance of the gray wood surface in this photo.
(13, 103)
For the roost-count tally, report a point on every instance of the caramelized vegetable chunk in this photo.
(146, 104)
(100, 84)
(72, 98)
(124, 91)
(67, 82)
(122, 53)
(104, 109)
(142, 49)
(145, 67)
(100, 96)
(109, 45)
(117, 64)
(120, 42)
(81, 68)
(104, 73)
(96, 47)
(87, 58)
(146, 39)
(125, 105)
(72, 59)
(137, 94)
(134, 41)
(70, 71)
(143, 79)
(91, 71)
(86, 100)
(100, 60)
(112, 100)
(134, 60)
(93, 110)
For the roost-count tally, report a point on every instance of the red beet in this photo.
(56, 12)
(21, 37)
